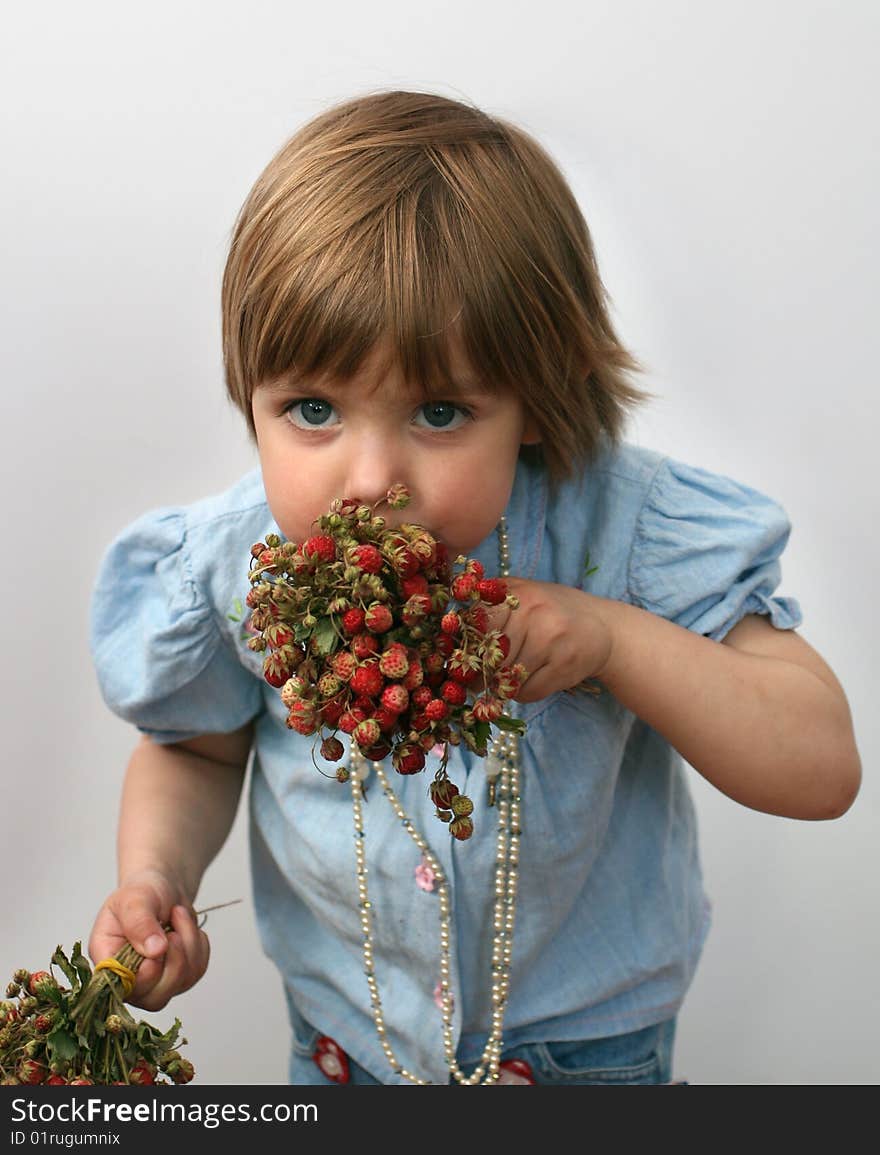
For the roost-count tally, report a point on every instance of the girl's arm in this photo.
(178, 806)
(761, 715)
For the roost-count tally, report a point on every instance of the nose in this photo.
(377, 460)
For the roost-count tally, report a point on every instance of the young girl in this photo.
(411, 296)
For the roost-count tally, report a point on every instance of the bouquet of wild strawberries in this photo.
(372, 631)
(83, 1033)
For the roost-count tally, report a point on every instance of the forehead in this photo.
(380, 374)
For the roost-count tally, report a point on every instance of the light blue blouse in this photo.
(612, 915)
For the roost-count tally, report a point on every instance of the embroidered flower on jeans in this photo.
(332, 1061)
(515, 1072)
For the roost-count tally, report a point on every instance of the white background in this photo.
(725, 156)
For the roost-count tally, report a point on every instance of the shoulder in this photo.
(242, 502)
(591, 518)
(197, 552)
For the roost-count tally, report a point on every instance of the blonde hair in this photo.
(419, 221)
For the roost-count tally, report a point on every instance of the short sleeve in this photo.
(160, 658)
(706, 552)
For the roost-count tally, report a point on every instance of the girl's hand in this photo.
(556, 632)
(174, 960)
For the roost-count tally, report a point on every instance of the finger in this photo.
(536, 685)
(194, 944)
(139, 921)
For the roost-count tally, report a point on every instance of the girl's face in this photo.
(319, 440)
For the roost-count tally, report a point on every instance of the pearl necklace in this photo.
(502, 773)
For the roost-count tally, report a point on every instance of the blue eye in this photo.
(311, 413)
(442, 415)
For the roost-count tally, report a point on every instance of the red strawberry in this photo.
(350, 720)
(421, 696)
(415, 675)
(463, 586)
(378, 752)
(320, 548)
(450, 623)
(444, 644)
(487, 708)
(418, 584)
(394, 663)
(461, 828)
(56, 1081)
(331, 712)
(41, 983)
(353, 621)
(419, 722)
(436, 710)
(478, 617)
(367, 733)
(275, 669)
(493, 591)
(415, 609)
(344, 665)
(463, 667)
(379, 619)
(366, 558)
(142, 1074)
(405, 561)
(30, 1072)
(82, 1081)
(303, 717)
(386, 718)
(277, 635)
(454, 693)
(476, 568)
(364, 645)
(367, 679)
(442, 791)
(395, 698)
(408, 759)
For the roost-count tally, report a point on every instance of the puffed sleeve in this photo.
(160, 658)
(706, 552)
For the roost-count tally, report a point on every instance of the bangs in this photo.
(390, 277)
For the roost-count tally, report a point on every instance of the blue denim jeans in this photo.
(639, 1057)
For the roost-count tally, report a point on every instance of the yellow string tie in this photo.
(127, 975)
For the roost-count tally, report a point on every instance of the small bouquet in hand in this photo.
(371, 630)
(84, 1033)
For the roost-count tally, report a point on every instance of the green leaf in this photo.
(59, 958)
(61, 1046)
(170, 1037)
(239, 611)
(301, 633)
(482, 730)
(514, 725)
(325, 636)
(81, 964)
(587, 569)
